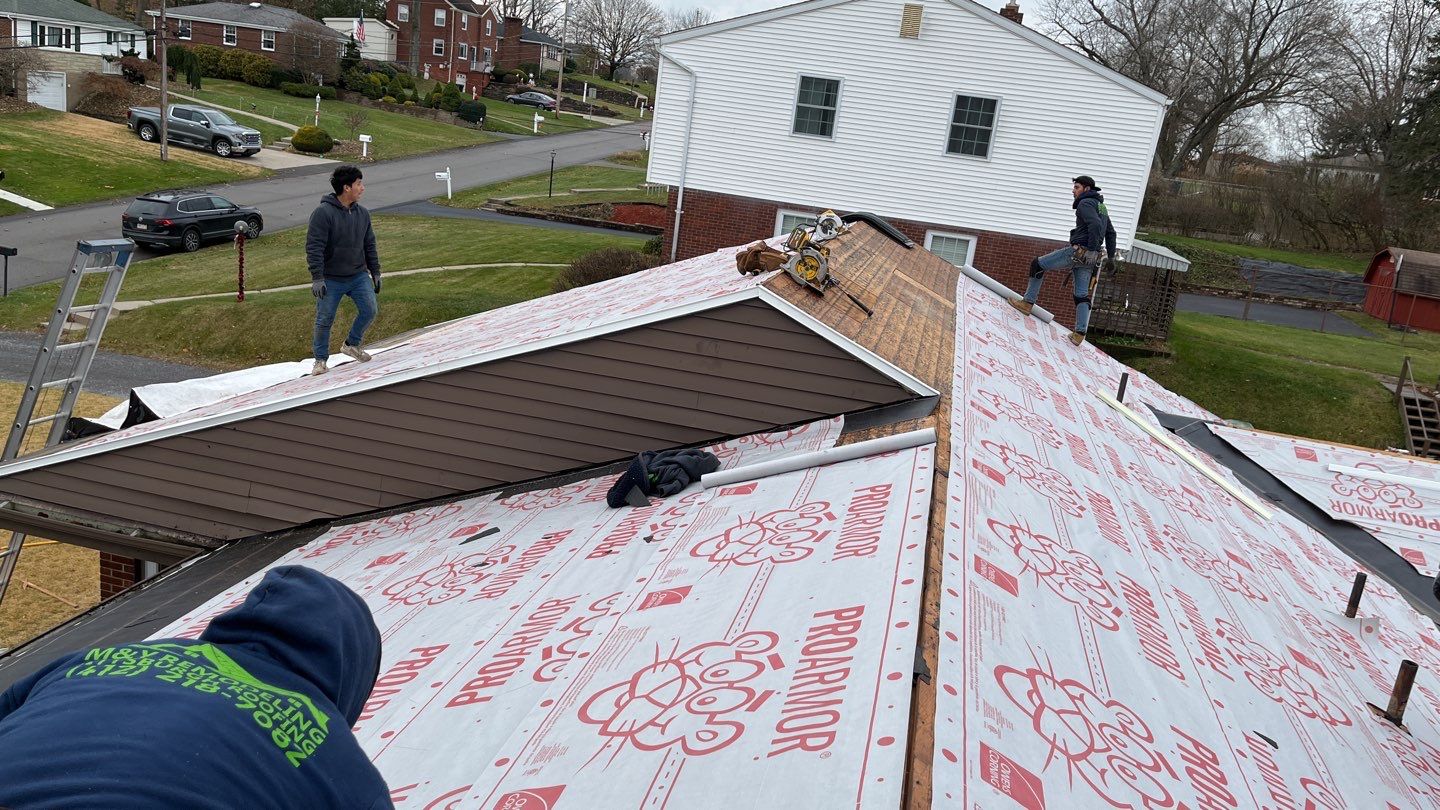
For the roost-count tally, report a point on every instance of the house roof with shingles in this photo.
(68, 10)
(1419, 271)
(267, 18)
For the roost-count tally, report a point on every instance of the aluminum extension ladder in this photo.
(63, 366)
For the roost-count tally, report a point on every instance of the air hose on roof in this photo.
(880, 225)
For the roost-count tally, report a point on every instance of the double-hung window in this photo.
(229, 36)
(972, 126)
(267, 40)
(815, 104)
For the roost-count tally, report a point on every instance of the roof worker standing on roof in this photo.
(1092, 232)
(254, 713)
(340, 251)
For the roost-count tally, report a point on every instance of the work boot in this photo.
(1021, 304)
(356, 352)
(317, 369)
(1077, 338)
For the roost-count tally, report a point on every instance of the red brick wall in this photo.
(117, 573)
(712, 221)
(246, 39)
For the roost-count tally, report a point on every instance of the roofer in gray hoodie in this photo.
(340, 251)
(1081, 257)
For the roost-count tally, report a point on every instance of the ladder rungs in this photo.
(42, 420)
(109, 268)
(58, 383)
(87, 308)
(65, 347)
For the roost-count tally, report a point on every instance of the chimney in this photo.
(1011, 12)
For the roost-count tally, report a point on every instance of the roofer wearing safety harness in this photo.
(254, 713)
(1082, 257)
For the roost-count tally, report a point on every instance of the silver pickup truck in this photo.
(202, 127)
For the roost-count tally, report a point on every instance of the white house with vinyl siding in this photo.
(961, 126)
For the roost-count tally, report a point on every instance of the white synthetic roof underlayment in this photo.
(694, 285)
(745, 645)
(1404, 515)
(1116, 631)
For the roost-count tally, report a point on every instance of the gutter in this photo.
(684, 152)
(97, 534)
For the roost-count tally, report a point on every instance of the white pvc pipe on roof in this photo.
(831, 455)
(1004, 292)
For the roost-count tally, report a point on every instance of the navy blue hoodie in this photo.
(1092, 222)
(255, 713)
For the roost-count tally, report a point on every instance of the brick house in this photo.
(520, 45)
(69, 40)
(288, 37)
(458, 39)
(972, 158)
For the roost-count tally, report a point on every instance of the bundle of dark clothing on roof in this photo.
(661, 472)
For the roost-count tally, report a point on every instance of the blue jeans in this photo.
(362, 291)
(1064, 259)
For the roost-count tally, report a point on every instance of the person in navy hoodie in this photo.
(1081, 257)
(254, 713)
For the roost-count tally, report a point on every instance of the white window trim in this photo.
(950, 120)
(795, 104)
(489, 28)
(440, 17)
(263, 36)
(184, 29)
(464, 21)
(488, 53)
(437, 47)
(402, 12)
(969, 238)
(784, 212)
(460, 80)
(463, 49)
(229, 32)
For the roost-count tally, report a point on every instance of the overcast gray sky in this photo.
(723, 9)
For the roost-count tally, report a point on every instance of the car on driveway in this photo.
(533, 99)
(201, 127)
(185, 219)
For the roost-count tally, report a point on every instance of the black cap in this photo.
(1086, 180)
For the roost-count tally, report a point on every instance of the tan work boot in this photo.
(317, 369)
(355, 352)
(1077, 338)
(1021, 304)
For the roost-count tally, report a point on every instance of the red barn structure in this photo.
(1403, 287)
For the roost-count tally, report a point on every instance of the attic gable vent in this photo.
(910, 21)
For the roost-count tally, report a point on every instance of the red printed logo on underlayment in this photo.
(386, 559)
(743, 489)
(1070, 573)
(1012, 779)
(994, 574)
(781, 536)
(696, 699)
(1045, 480)
(1371, 491)
(545, 798)
(447, 580)
(1306, 454)
(667, 596)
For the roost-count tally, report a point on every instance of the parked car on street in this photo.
(185, 219)
(533, 99)
(200, 127)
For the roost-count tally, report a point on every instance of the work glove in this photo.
(1108, 266)
(375, 277)
(317, 288)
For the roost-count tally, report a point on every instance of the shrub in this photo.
(209, 56)
(312, 139)
(472, 111)
(409, 103)
(308, 91)
(280, 76)
(388, 99)
(137, 70)
(654, 246)
(257, 71)
(530, 69)
(232, 63)
(601, 265)
(450, 98)
(406, 80)
(394, 88)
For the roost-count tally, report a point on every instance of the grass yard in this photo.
(518, 119)
(565, 179)
(7, 208)
(1287, 380)
(644, 89)
(640, 159)
(275, 326)
(395, 134)
(1202, 250)
(64, 159)
(68, 571)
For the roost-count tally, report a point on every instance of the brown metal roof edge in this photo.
(99, 534)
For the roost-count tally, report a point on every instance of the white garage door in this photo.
(47, 89)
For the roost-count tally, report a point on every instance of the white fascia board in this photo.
(864, 355)
(747, 19)
(267, 408)
(119, 25)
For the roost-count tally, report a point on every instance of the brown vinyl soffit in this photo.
(97, 534)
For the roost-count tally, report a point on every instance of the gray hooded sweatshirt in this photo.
(340, 242)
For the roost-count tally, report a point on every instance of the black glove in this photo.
(317, 288)
(1108, 266)
(375, 277)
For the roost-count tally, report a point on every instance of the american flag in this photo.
(359, 29)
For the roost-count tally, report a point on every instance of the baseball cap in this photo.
(1086, 180)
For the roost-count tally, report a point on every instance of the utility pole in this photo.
(160, 37)
(415, 38)
(560, 74)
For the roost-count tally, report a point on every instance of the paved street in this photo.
(47, 239)
(110, 374)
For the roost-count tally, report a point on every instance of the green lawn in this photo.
(518, 119)
(565, 179)
(638, 158)
(647, 90)
(1287, 380)
(64, 159)
(7, 208)
(1202, 249)
(395, 134)
(224, 332)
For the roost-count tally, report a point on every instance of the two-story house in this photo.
(521, 45)
(66, 40)
(959, 124)
(447, 40)
(286, 36)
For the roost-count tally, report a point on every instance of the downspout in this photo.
(684, 153)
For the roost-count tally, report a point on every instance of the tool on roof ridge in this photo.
(807, 257)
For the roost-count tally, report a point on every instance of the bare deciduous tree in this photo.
(621, 31)
(1213, 58)
(693, 17)
(541, 15)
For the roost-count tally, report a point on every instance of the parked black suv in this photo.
(185, 219)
